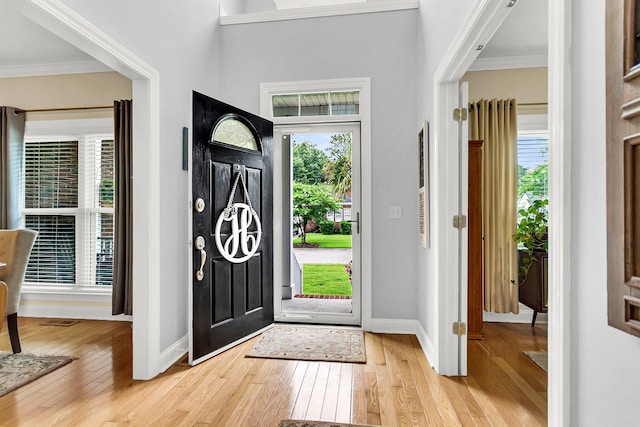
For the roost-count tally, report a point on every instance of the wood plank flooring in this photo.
(396, 387)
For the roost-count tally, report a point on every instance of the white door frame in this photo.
(363, 85)
(58, 18)
(482, 22)
(282, 202)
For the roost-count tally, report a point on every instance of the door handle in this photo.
(357, 221)
(199, 246)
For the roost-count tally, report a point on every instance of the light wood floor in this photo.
(396, 387)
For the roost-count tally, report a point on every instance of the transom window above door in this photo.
(316, 104)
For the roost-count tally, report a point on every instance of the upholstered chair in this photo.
(15, 249)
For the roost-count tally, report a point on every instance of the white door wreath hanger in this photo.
(240, 245)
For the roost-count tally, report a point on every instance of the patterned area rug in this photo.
(300, 343)
(302, 423)
(20, 369)
(540, 358)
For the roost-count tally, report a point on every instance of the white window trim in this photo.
(320, 11)
(81, 130)
(363, 85)
(529, 124)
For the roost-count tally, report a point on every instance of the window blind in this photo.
(532, 167)
(51, 175)
(68, 198)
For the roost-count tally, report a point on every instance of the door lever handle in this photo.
(203, 257)
(357, 221)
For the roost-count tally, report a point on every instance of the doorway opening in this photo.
(321, 205)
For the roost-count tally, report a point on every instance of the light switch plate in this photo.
(395, 212)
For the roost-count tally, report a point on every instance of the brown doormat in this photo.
(20, 369)
(540, 358)
(310, 343)
(303, 423)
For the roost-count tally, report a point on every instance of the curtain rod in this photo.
(40, 110)
(531, 104)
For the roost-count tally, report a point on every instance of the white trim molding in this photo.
(525, 315)
(560, 221)
(67, 305)
(481, 23)
(54, 68)
(363, 85)
(509, 62)
(174, 353)
(62, 21)
(319, 11)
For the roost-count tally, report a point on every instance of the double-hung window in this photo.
(532, 160)
(68, 188)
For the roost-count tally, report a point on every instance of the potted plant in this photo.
(531, 235)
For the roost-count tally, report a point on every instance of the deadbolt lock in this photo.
(199, 204)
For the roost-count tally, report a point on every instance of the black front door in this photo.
(232, 226)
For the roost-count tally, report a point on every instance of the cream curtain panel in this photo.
(495, 122)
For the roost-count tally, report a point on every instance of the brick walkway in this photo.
(323, 296)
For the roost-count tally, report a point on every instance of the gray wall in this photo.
(439, 23)
(179, 40)
(604, 361)
(239, 7)
(381, 46)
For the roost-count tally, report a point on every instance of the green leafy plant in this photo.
(326, 227)
(310, 202)
(531, 234)
(345, 227)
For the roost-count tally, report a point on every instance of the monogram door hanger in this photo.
(240, 245)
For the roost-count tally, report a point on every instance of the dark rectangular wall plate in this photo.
(185, 148)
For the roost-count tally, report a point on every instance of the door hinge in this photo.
(459, 221)
(460, 114)
(459, 328)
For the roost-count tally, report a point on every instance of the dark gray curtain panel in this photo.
(12, 122)
(122, 299)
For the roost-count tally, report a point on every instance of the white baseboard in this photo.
(524, 316)
(425, 342)
(393, 326)
(174, 353)
(406, 326)
(68, 306)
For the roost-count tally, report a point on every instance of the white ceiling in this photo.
(28, 49)
(522, 35)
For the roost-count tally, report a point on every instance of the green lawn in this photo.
(327, 240)
(325, 279)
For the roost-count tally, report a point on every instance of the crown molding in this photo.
(509, 62)
(75, 67)
(320, 11)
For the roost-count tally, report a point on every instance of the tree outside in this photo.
(310, 201)
(308, 163)
(337, 170)
(534, 181)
